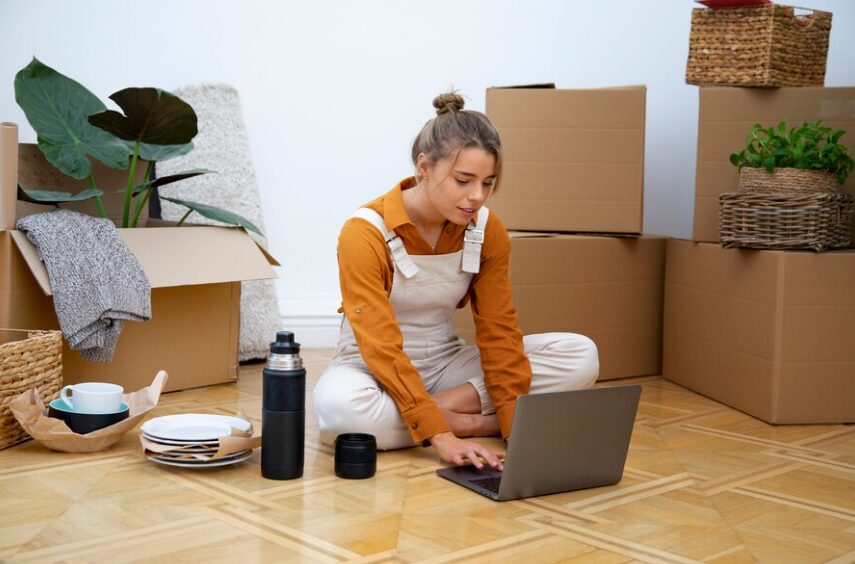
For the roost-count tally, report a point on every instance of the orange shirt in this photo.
(365, 274)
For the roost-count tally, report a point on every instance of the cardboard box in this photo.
(726, 115)
(770, 333)
(195, 275)
(573, 160)
(607, 288)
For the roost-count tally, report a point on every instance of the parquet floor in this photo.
(703, 483)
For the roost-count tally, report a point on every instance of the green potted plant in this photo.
(804, 159)
(73, 125)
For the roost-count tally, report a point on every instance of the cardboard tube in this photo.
(8, 174)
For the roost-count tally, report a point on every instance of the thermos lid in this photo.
(355, 455)
(285, 344)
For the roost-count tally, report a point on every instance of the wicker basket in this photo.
(766, 45)
(786, 221)
(28, 359)
(787, 181)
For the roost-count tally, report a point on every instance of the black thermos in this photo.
(283, 413)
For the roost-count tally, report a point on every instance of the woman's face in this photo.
(458, 187)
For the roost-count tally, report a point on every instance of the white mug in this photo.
(93, 397)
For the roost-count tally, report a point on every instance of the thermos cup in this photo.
(283, 413)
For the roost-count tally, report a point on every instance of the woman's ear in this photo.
(423, 167)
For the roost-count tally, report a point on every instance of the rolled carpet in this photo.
(222, 145)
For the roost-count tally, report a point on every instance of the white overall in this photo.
(425, 292)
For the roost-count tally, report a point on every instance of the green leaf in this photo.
(158, 153)
(217, 214)
(769, 164)
(151, 116)
(55, 197)
(164, 180)
(735, 158)
(57, 107)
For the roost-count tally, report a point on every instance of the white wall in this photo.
(333, 91)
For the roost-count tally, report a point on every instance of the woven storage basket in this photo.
(786, 221)
(766, 45)
(787, 181)
(28, 359)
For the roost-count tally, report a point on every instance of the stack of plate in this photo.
(196, 433)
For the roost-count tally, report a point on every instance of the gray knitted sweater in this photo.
(97, 283)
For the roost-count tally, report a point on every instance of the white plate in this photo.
(200, 464)
(193, 427)
(201, 444)
(174, 458)
(179, 450)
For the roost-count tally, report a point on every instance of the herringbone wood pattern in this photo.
(703, 483)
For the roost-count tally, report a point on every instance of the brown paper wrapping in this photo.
(8, 174)
(55, 434)
(236, 442)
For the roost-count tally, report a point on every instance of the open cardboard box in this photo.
(726, 115)
(573, 160)
(195, 274)
(766, 332)
(606, 288)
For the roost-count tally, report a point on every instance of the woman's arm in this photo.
(507, 371)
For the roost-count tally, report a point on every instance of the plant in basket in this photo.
(788, 194)
(809, 158)
(72, 125)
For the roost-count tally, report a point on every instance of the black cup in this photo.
(82, 423)
(355, 456)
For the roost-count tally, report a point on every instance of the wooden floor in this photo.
(702, 483)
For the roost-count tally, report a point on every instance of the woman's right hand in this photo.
(457, 451)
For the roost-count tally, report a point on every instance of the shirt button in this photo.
(358, 310)
(415, 425)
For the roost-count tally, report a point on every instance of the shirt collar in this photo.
(394, 212)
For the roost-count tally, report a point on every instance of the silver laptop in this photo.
(559, 442)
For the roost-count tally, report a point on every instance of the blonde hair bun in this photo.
(448, 102)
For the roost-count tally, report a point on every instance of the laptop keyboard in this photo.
(491, 484)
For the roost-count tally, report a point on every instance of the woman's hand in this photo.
(457, 451)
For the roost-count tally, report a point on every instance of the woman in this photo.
(407, 260)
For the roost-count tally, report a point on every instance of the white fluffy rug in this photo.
(222, 145)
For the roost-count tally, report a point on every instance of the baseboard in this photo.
(313, 319)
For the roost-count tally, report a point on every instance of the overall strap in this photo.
(473, 240)
(402, 259)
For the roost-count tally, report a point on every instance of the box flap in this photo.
(180, 256)
(551, 86)
(538, 85)
(153, 222)
(524, 234)
(31, 257)
(35, 172)
(530, 234)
